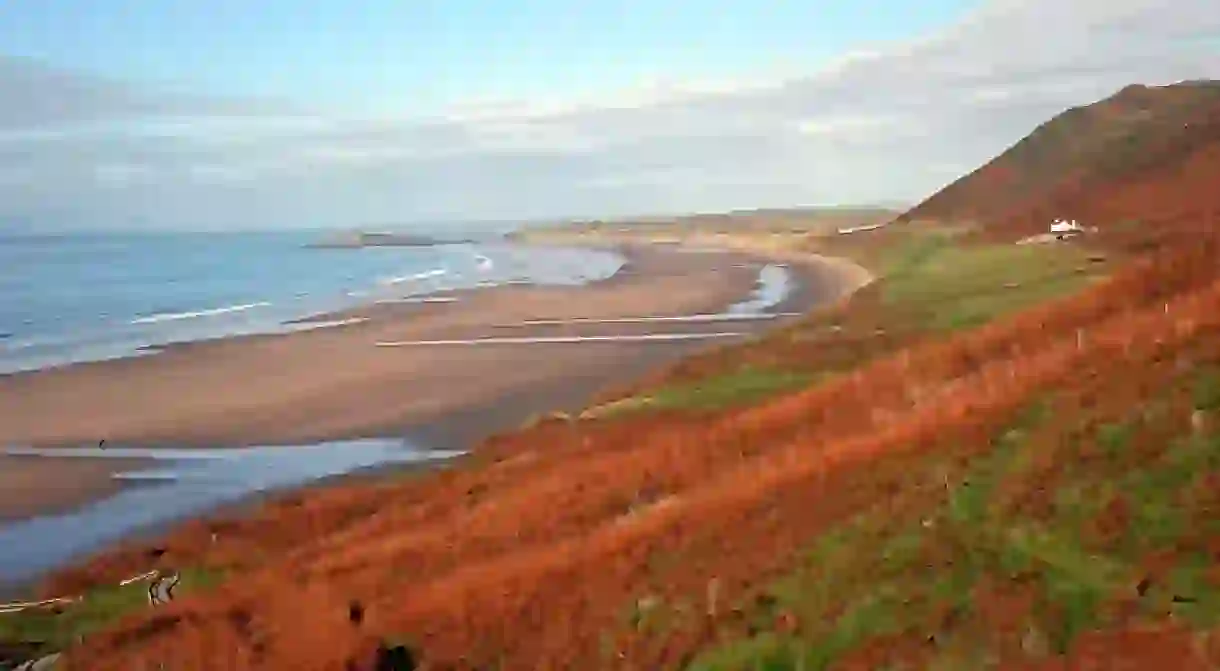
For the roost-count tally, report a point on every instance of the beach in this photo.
(336, 383)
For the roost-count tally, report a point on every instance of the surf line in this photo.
(695, 318)
(410, 300)
(553, 340)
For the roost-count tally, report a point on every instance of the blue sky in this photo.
(419, 55)
(223, 114)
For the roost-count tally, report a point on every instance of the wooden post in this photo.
(713, 594)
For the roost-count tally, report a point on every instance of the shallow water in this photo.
(179, 483)
(772, 287)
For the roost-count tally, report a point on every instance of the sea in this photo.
(85, 297)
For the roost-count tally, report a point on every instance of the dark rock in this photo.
(395, 658)
(1143, 586)
(355, 613)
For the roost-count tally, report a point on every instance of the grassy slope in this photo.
(1066, 516)
(931, 284)
(1091, 510)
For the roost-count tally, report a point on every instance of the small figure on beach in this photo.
(101, 444)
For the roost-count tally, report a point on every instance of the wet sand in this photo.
(40, 485)
(335, 383)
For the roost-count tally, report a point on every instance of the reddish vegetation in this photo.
(1146, 155)
(530, 556)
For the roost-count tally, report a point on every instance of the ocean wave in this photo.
(417, 299)
(427, 274)
(773, 285)
(178, 316)
(328, 324)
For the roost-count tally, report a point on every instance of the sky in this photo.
(391, 56)
(231, 114)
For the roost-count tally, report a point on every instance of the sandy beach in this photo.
(335, 383)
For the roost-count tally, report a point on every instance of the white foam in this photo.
(773, 285)
(411, 300)
(326, 324)
(427, 274)
(551, 340)
(688, 319)
(178, 316)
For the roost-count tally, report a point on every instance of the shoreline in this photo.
(99, 396)
(474, 418)
(314, 318)
(845, 275)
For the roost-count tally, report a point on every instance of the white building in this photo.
(1062, 228)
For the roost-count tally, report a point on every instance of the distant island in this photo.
(355, 239)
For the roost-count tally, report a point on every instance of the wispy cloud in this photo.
(891, 122)
(36, 97)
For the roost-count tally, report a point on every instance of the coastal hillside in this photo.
(1146, 155)
(995, 456)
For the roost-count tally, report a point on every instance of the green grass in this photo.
(100, 607)
(1114, 438)
(910, 251)
(958, 287)
(835, 616)
(742, 387)
(927, 273)
(1159, 515)
(1206, 388)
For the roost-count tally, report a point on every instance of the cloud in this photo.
(39, 97)
(893, 121)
